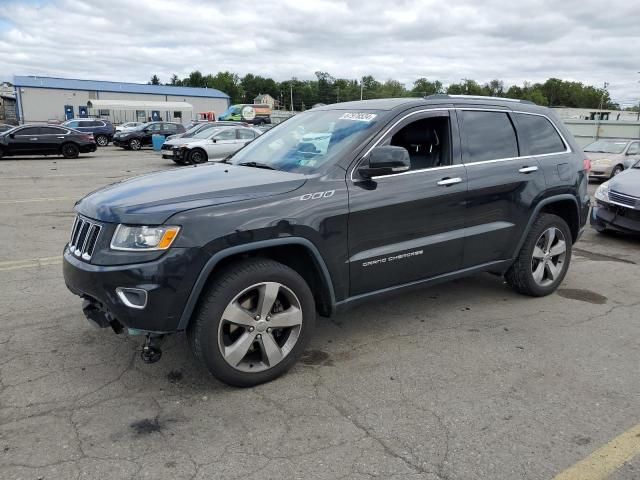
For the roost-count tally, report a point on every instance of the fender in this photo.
(249, 247)
(539, 206)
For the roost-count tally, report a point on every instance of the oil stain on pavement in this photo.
(582, 295)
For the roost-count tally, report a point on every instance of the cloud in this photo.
(515, 41)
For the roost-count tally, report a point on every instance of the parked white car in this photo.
(125, 127)
(213, 144)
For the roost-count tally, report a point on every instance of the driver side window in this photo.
(634, 149)
(428, 141)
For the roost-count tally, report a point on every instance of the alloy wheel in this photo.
(548, 257)
(135, 144)
(102, 141)
(260, 327)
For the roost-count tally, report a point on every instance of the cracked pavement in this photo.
(467, 380)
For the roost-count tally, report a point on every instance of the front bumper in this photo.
(613, 217)
(167, 281)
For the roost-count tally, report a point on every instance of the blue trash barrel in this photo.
(157, 141)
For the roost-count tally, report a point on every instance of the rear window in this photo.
(538, 136)
(488, 136)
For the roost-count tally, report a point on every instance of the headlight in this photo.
(141, 238)
(602, 193)
(603, 161)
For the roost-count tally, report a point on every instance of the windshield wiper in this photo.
(257, 165)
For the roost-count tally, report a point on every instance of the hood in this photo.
(627, 182)
(594, 156)
(151, 199)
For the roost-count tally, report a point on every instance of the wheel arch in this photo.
(297, 253)
(565, 206)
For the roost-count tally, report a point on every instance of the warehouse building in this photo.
(46, 99)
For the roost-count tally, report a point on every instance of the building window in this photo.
(177, 115)
(141, 116)
(103, 113)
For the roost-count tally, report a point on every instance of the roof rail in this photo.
(476, 97)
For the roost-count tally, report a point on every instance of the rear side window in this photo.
(52, 131)
(244, 134)
(488, 136)
(538, 136)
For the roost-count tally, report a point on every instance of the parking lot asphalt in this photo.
(467, 380)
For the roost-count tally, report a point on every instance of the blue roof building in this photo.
(43, 99)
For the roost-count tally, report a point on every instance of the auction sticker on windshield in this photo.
(360, 117)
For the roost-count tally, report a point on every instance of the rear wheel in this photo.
(253, 323)
(102, 140)
(135, 144)
(198, 155)
(70, 150)
(543, 260)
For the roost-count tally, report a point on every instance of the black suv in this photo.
(140, 136)
(337, 205)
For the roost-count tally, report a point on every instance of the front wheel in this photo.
(617, 170)
(102, 140)
(543, 260)
(254, 322)
(135, 144)
(198, 156)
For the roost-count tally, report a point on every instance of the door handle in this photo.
(445, 182)
(528, 169)
(61, 137)
(32, 139)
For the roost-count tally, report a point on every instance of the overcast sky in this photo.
(129, 40)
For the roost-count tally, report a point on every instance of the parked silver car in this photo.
(213, 144)
(611, 156)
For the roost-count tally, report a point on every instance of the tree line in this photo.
(327, 89)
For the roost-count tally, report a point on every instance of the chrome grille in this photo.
(622, 199)
(84, 237)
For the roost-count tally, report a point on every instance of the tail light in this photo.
(87, 137)
(586, 165)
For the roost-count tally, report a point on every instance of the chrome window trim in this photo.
(449, 109)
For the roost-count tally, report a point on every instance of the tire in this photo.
(197, 155)
(70, 150)
(1, 153)
(537, 255)
(135, 144)
(102, 140)
(212, 335)
(616, 170)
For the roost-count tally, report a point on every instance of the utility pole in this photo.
(291, 85)
(599, 114)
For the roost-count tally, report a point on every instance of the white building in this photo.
(43, 99)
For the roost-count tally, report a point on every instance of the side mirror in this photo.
(385, 161)
(12, 135)
(213, 140)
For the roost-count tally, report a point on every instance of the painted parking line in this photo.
(606, 460)
(30, 200)
(30, 263)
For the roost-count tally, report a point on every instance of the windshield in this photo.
(309, 140)
(605, 146)
(637, 165)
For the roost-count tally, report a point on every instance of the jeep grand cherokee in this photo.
(337, 205)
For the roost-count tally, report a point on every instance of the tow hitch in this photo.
(151, 352)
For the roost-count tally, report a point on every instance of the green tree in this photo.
(423, 87)
(154, 80)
